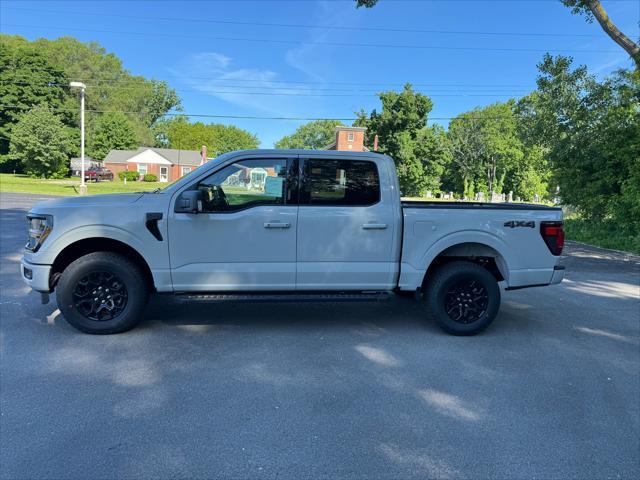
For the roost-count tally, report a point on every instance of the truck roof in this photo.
(299, 151)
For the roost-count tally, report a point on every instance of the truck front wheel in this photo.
(462, 297)
(102, 293)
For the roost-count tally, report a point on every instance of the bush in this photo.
(605, 234)
(129, 175)
(150, 177)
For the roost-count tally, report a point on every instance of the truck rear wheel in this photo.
(102, 293)
(462, 297)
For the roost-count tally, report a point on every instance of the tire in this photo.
(102, 293)
(462, 297)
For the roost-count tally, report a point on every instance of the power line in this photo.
(246, 117)
(284, 82)
(288, 91)
(307, 42)
(299, 25)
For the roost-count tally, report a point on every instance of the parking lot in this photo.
(325, 390)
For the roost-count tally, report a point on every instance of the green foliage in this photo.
(129, 175)
(579, 7)
(490, 155)
(110, 131)
(591, 135)
(150, 177)
(313, 135)
(37, 73)
(403, 134)
(27, 78)
(605, 234)
(366, 3)
(219, 139)
(110, 86)
(42, 144)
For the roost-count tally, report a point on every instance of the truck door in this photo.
(346, 226)
(244, 239)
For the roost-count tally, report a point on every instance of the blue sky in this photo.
(281, 61)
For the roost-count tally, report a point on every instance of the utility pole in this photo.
(82, 87)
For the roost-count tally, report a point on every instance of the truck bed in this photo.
(479, 205)
(507, 232)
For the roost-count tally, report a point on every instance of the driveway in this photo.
(326, 390)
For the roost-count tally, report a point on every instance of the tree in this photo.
(593, 9)
(491, 157)
(591, 134)
(180, 133)
(110, 131)
(398, 125)
(313, 135)
(42, 144)
(33, 73)
(27, 79)
(467, 151)
(433, 149)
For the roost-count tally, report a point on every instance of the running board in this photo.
(288, 297)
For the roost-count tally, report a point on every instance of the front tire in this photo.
(462, 297)
(102, 293)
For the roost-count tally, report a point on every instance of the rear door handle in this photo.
(374, 226)
(276, 225)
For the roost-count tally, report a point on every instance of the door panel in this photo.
(344, 247)
(246, 238)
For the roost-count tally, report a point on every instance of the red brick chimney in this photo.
(349, 138)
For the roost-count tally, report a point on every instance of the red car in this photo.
(98, 174)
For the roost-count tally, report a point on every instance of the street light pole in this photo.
(81, 86)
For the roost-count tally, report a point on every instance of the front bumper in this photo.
(36, 276)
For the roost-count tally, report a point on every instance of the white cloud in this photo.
(608, 65)
(216, 74)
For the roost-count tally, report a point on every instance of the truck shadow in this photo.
(394, 313)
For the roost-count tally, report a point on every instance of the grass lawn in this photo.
(605, 235)
(69, 186)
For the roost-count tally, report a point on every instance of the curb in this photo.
(630, 256)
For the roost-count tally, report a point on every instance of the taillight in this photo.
(553, 235)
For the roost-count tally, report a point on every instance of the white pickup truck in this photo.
(286, 225)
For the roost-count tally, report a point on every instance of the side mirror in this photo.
(189, 202)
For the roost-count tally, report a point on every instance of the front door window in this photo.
(164, 174)
(245, 184)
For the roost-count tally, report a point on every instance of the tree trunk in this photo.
(616, 35)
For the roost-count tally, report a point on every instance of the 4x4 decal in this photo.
(520, 223)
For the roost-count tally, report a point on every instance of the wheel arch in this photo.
(79, 248)
(477, 252)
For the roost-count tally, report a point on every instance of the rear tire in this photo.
(462, 297)
(102, 293)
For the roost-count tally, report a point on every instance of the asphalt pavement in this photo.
(325, 390)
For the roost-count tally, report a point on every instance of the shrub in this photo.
(150, 177)
(131, 176)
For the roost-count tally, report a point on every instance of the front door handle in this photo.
(276, 225)
(374, 226)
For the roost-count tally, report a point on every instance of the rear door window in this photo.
(340, 182)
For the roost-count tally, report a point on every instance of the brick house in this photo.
(349, 138)
(167, 164)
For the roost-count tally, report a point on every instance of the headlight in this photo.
(39, 228)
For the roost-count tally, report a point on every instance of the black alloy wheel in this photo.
(100, 296)
(466, 301)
